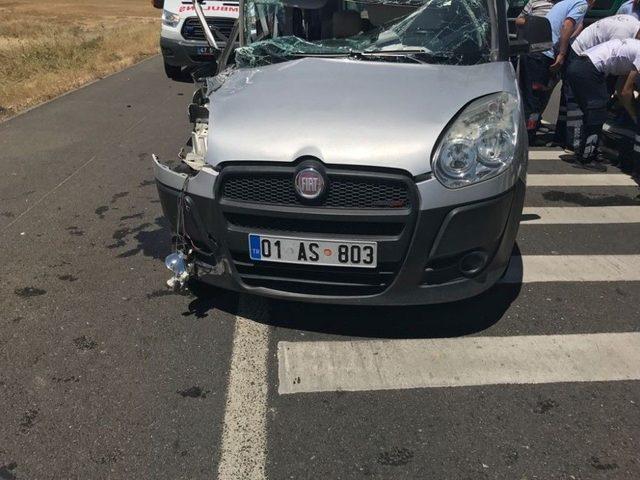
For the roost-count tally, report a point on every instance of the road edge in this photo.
(81, 87)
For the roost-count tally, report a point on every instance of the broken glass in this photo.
(286, 48)
(431, 31)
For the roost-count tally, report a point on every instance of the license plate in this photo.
(313, 252)
(204, 50)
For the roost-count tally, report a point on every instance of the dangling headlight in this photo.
(480, 143)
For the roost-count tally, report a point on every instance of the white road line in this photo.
(456, 362)
(580, 215)
(244, 434)
(581, 180)
(547, 154)
(573, 268)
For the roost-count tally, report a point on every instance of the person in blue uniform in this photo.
(630, 7)
(538, 69)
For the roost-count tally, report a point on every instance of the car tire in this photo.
(174, 72)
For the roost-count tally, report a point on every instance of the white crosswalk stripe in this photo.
(428, 363)
(573, 268)
(581, 180)
(580, 215)
(406, 364)
(548, 155)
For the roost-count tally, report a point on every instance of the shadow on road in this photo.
(432, 321)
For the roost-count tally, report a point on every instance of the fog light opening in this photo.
(473, 263)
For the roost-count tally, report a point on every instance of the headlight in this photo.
(480, 143)
(170, 19)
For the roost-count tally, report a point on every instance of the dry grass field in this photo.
(52, 46)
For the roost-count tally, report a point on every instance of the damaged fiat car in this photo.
(354, 151)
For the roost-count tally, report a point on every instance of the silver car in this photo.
(357, 152)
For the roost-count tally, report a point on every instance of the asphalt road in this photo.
(105, 374)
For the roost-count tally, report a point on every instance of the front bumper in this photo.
(184, 53)
(420, 249)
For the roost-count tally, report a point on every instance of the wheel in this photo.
(174, 72)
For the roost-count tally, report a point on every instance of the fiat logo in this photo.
(309, 183)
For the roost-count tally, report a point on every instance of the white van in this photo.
(182, 39)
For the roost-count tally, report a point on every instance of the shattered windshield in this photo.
(428, 31)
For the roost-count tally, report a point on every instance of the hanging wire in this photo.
(182, 241)
(181, 234)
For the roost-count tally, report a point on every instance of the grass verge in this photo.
(49, 48)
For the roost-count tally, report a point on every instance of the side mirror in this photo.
(533, 36)
(157, 3)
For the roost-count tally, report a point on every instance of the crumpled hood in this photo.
(344, 111)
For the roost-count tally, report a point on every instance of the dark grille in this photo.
(342, 192)
(263, 223)
(221, 28)
(374, 206)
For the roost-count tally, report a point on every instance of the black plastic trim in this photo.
(391, 248)
(403, 282)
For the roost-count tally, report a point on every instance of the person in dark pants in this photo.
(533, 8)
(569, 123)
(535, 85)
(538, 69)
(587, 77)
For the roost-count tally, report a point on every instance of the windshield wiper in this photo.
(323, 55)
(418, 55)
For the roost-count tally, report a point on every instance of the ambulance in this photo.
(182, 39)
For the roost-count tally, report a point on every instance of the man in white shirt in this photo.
(616, 27)
(615, 57)
(569, 124)
(587, 76)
